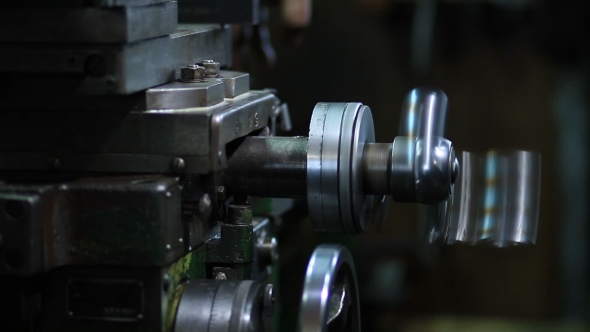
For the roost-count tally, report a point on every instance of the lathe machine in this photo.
(139, 175)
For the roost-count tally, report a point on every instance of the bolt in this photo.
(192, 74)
(268, 251)
(205, 207)
(221, 194)
(54, 163)
(178, 164)
(211, 68)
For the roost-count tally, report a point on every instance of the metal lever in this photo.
(423, 120)
(424, 114)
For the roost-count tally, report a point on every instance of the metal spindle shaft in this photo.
(269, 167)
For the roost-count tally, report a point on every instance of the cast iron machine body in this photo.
(129, 155)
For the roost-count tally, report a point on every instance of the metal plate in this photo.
(88, 25)
(133, 221)
(22, 216)
(235, 83)
(219, 11)
(152, 306)
(105, 300)
(121, 69)
(146, 141)
(78, 3)
(178, 95)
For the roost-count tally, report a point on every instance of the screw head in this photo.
(221, 194)
(192, 74)
(178, 164)
(268, 251)
(205, 207)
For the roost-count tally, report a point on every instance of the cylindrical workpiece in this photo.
(376, 168)
(269, 167)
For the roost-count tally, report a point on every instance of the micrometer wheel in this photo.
(338, 134)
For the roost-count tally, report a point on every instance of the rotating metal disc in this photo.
(330, 292)
(220, 306)
(337, 137)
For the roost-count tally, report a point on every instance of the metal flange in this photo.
(337, 137)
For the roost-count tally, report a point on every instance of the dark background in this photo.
(516, 78)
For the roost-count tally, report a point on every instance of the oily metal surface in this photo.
(220, 306)
(336, 199)
(179, 95)
(130, 221)
(258, 159)
(142, 141)
(344, 170)
(120, 69)
(362, 204)
(314, 165)
(88, 25)
(330, 173)
(194, 309)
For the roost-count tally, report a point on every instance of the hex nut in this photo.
(192, 74)
(212, 68)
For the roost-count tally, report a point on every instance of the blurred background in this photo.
(516, 74)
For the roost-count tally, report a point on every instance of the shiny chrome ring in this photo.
(326, 265)
(337, 137)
